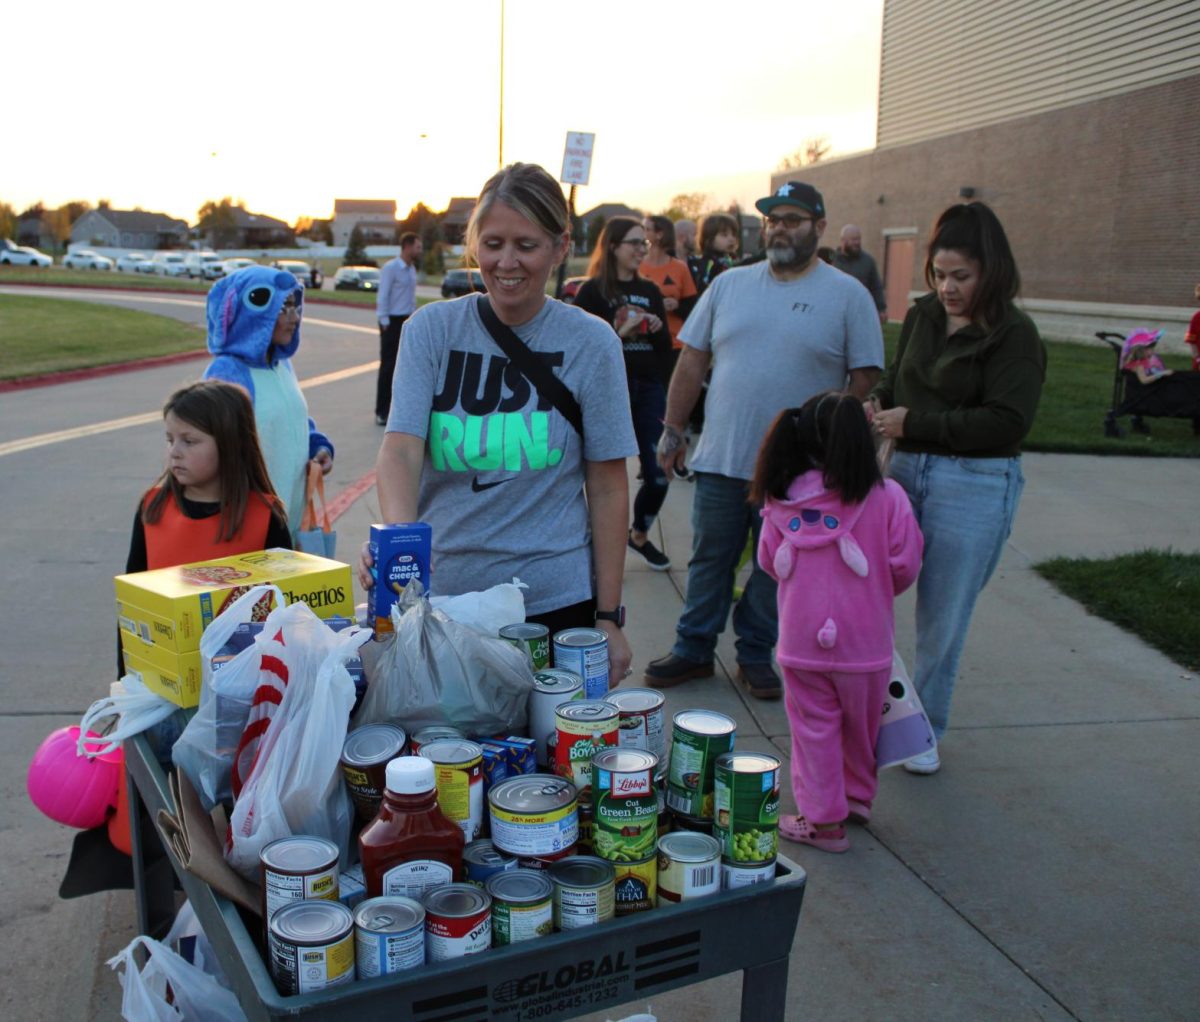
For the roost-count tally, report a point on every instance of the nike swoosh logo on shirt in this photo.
(478, 487)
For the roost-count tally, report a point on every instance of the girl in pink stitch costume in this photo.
(841, 542)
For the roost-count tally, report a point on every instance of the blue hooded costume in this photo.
(242, 311)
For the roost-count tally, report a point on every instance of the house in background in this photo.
(1075, 124)
(375, 217)
(249, 230)
(129, 228)
(456, 218)
(587, 226)
(34, 229)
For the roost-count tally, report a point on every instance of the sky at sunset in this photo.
(287, 106)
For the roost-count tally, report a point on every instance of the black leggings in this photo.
(578, 615)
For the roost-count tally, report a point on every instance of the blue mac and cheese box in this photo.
(401, 553)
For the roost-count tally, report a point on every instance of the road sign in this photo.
(577, 157)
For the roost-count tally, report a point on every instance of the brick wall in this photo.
(1101, 201)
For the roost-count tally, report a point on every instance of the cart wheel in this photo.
(1138, 425)
(1111, 428)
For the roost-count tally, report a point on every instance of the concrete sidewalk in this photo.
(1049, 870)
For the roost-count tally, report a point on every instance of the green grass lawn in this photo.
(1152, 594)
(1077, 393)
(42, 335)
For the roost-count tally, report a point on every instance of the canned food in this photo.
(746, 806)
(546, 861)
(587, 830)
(635, 886)
(551, 688)
(389, 936)
(458, 922)
(311, 944)
(297, 868)
(531, 639)
(734, 875)
(584, 651)
(481, 859)
(534, 814)
(642, 722)
(431, 734)
(698, 737)
(625, 805)
(583, 892)
(683, 822)
(458, 768)
(584, 728)
(689, 866)
(365, 756)
(522, 906)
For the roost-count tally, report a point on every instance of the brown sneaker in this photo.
(671, 670)
(759, 680)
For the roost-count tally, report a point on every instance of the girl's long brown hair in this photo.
(603, 265)
(975, 230)
(223, 411)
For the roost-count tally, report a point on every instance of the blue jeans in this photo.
(966, 508)
(648, 403)
(721, 521)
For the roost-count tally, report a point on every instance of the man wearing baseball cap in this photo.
(775, 333)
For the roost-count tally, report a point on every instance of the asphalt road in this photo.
(74, 459)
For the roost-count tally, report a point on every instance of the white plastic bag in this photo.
(197, 996)
(136, 709)
(905, 730)
(188, 939)
(205, 750)
(434, 670)
(295, 785)
(487, 611)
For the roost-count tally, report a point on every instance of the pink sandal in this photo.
(828, 839)
(858, 812)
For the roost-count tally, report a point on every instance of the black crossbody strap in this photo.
(532, 368)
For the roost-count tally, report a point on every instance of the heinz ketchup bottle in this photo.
(410, 846)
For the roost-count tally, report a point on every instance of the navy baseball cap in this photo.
(794, 193)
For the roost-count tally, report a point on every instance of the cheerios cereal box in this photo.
(170, 607)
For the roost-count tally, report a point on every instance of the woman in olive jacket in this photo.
(958, 398)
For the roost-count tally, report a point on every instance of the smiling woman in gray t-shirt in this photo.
(508, 485)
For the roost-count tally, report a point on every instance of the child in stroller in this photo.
(1150, 388)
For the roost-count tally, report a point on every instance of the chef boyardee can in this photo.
(698, 737)
(642, 721)
(458, 767)
(522, 906)
(297, 868)
(534, 814)
(689, 866)
(635, 885)
(583, 892)
(431, 734)
(584, 728)
(624, 805)
(389, 936)
(551, 688)
(584, 651)
(481, 860)
(746, 807)
(365, 756)
(458, 921)
(531, 639)
(311, 944)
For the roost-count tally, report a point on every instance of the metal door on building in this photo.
(898, 255)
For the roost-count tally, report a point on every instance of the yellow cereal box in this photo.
(174, 676)
(169, 608)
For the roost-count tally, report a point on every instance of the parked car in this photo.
(23, 255)
(205, 265)
(235, 263)
(571, 288)
(300, 270)
(134, 262)
(86, 259)
(169, 264)
(356, 278)
(462, 282)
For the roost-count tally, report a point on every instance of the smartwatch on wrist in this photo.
(617, 616)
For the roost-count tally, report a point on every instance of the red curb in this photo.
(71, 375)
(343, 501)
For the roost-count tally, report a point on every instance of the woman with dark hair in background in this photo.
(958, 398)
(634, 307)
(670, 275)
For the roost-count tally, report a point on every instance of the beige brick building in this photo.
(1076, 121)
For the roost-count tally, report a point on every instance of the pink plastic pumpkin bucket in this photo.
(70, 788)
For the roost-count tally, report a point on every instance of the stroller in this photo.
(1171, 395)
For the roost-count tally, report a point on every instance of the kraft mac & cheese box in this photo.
(401, 553)
(169, 608)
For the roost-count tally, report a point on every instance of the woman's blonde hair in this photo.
(531, 191)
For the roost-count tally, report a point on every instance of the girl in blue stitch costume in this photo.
(253, 332)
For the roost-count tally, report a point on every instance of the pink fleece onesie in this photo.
(839, 567)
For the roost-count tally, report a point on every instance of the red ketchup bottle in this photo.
(410, 847)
